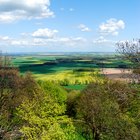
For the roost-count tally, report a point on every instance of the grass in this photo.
(26, 60)
(76, 69)
(76, 87)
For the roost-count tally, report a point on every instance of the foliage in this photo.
(71, 103)
(11, 96)
(37, 111)
(43, 119)
(54, 90)
(104, 109)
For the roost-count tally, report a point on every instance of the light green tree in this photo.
(43, 117)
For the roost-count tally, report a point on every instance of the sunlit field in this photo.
(72, 77)
(67, 70)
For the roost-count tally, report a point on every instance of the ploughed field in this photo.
(120, 74)
(69, 69)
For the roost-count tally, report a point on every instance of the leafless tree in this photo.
(5, 61)
(131, 51)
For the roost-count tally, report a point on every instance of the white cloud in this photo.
(112, 27)
(11, 10)
(102, 40)
(44, 33)
(56, 43)
(19, 42)
(42, 41)
(8, 41)
(59, 41)
(83, 28)
(4, 38)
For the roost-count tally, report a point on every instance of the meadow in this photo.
(68, 69)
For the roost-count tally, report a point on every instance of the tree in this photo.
(104, 109)
(5, 61)
(11, 96)
(43, 117)
(131, 51)
(55, 91)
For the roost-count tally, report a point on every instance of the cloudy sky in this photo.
(67, 25)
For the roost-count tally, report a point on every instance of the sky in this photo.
(67, 25)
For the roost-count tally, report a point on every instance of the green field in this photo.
(72, 69)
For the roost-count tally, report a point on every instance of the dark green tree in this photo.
(104, 108)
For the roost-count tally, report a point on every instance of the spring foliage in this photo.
(31, 110)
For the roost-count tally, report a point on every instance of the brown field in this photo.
(117, 74)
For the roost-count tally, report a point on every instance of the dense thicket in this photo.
(31, 110)
(110, 111)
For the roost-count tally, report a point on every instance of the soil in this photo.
(117, 74)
